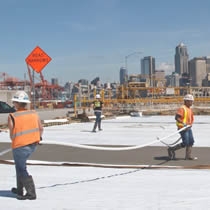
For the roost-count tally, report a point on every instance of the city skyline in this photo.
(89, 39)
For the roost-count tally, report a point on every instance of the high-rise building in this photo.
(54, 81)
(181, 59)
(148, 65)
(172, 80)
(96, 82)
(83, 82)
(123, 75)
(197, 71)
(208, 64)
(148, 68)
(159, 78)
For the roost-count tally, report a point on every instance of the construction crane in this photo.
(13, 83)
(43, 90)
(43, 84)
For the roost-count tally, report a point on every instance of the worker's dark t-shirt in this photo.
(97, 105)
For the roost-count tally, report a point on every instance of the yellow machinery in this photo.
(137, 94)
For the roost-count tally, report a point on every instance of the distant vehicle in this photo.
(136, 114)
(6, 108)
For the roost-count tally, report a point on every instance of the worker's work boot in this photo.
(99, 126)
(94, 127)
(188, 155)
(19, 189)
(171, 151)
(28, 183)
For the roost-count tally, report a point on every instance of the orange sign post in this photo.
(38, 59)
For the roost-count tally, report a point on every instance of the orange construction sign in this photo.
(38, 59)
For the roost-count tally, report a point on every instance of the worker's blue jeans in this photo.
(98, 120)
(187, 137)
(20, 155)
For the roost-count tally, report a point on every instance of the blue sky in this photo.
(90, 38)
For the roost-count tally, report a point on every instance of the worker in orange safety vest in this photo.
(184, 117)
(25, 131)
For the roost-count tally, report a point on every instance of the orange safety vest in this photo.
(26, 128)
(187, 116)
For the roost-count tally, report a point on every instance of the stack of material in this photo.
(47, 123)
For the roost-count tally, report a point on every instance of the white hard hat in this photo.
(98, 96)
(188, 97)
(21, 97)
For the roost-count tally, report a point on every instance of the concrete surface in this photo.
(147, 156)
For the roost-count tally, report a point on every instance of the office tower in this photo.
(54, 81)
(83, 82)
(123, 75)
(197, 71)
(172, 80)
(148, 68)
(159, 78)
(96, 82)
(181, 59)
(208, 64)
(148, 65)
(175, 80)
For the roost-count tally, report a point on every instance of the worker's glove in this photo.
(40, 140)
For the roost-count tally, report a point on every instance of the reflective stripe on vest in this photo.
(25, 132)
(184, 119)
